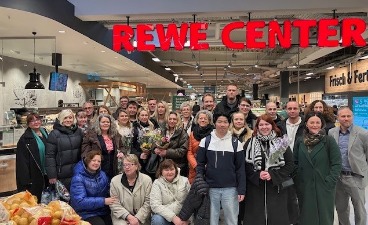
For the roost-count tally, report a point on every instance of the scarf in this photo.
(243, 134)
(255, 151)
(41, 147)
(201, 132)
(311, 140)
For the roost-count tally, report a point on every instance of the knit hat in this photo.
(64, 113)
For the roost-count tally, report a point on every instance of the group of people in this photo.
(259, 170)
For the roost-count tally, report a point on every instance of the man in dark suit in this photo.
(353, 144)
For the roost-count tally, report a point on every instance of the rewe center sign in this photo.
(351, 30)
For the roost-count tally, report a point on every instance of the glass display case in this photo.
(9, 136)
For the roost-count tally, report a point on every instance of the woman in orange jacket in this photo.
(203, 127)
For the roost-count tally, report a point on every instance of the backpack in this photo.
(234, 141)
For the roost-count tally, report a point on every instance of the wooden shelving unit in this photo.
(126, 89)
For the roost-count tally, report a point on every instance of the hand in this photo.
(120, 155)
(240, 198)
(110, 201)
(163, 153)
(132, 220)
(157, 151)
(264, 175)
(144, 156)
(52, 181)
(177, 221)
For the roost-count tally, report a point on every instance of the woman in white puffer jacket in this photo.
(168, 193)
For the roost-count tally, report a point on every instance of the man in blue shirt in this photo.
(353, 144)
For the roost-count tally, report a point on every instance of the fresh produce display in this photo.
(22, 209)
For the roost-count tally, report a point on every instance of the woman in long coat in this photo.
(30, 160)
(318, 161)
(266, 200)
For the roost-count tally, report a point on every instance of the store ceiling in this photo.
(210, 67)
(80, 53)
(83, 55)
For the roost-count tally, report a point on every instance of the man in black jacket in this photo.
(229, 103)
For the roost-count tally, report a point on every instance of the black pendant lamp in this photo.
(34, 77)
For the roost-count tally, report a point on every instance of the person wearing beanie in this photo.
(63, 148)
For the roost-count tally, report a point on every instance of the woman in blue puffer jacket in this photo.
(89, 190)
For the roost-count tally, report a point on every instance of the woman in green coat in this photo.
(318, 161)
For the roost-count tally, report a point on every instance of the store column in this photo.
(284, 86)
(255, 91)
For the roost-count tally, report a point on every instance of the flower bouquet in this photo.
(277, 150)
(127, 144)
(148, 138)
(163, 143)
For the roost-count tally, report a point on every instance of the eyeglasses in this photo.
(127, 165)
(245, 105)
(88, 107)
(35, 121)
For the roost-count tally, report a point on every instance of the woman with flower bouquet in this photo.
(269, 162)
(141, 144)
(174, 145)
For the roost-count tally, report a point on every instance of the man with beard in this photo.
(208, 101)
(351, 185)
(230, 102)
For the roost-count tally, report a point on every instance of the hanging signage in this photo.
(177, 101)
(210, 89)
(351, 30)
(354, 78)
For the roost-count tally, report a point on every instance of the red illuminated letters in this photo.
(352, 30)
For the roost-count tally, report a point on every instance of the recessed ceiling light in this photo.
(330, 67)
(85, 42)
(167, 68)
(115, 57)
(62, 31)
(156, 59)
(24, 64)
(307, 78)
(292, 67)
(103, 51)
(308, 74)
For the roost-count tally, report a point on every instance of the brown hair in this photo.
(327, 111)
(32, 116)
(269, 120)
(90, 155)
(167, 163)
(104, 107)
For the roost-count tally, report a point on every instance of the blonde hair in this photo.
(133, 159)
(64, 113)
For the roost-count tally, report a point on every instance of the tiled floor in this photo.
(336, 221)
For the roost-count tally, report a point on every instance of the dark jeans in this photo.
(100, 220)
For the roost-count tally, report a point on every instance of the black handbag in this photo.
(287, 183)
(152, 164)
